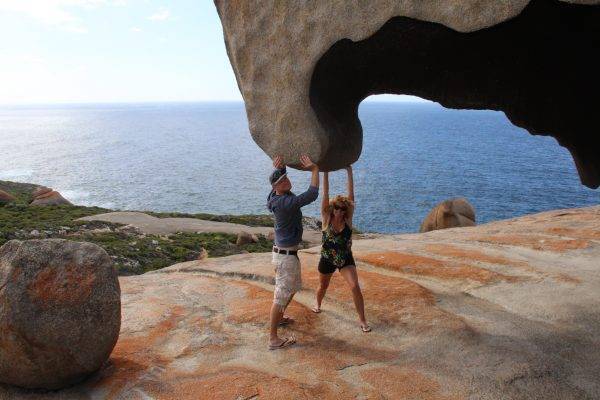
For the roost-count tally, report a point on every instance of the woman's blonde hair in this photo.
(340, 201)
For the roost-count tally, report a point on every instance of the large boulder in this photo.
(51, 198)
(452, 213)
(303, 67)
(60, 312)
(6, 198)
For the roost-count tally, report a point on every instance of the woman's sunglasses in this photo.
(339, 208)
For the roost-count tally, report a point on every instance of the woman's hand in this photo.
(278, 162)
(307, 162)
(349, 168)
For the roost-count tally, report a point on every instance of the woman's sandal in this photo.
(316, 309)
(365, 328)
(286, 342)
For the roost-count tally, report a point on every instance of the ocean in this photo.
(199, 157)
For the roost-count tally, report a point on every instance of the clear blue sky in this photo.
(54, 51)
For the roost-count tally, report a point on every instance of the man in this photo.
(288, 234)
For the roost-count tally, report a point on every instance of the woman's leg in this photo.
(324, 280)
(351, 276)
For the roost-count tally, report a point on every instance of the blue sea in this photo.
(199, 157)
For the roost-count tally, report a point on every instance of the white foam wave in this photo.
(16, 174)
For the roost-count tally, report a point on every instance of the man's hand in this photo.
(307, 163)
(278, 162)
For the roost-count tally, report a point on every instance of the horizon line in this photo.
(103, 102)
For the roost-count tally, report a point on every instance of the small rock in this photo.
(101, 230)
(34, 233)
(202, 254)
(155, 242)
(245, 238)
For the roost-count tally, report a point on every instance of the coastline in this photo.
(133, 251)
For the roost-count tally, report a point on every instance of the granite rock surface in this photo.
(505, 310)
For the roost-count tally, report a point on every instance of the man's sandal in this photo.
(286, 342)
(365, 328)
(286, 320)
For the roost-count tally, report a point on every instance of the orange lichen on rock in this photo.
(419, 265)
(392, 299)
(405, 383)
(536, 242)
(448, 250)
(255, 307)
(69, 285)
(242, 383)
(133, 355)
(585, 234)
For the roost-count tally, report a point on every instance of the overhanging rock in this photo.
(303, 68)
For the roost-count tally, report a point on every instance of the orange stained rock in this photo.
(536, 242)
(243, 383)
(133, 355)
(255, 307)
(585, 234)
(403, 383)
(426, 266)
(390, 300)
(69, 286)
(448, 250)
(456, 252)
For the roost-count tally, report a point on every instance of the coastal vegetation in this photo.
(132, 251)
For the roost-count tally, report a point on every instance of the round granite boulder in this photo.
(60, 312)
(450, 213)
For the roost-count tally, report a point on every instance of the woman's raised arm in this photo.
(350, 183)
(325, 196)
(350, 211)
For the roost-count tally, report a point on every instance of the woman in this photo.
(336, 249)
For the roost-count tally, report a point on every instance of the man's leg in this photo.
(276, 315)
(287, 282)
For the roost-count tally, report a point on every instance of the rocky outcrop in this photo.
(505, 310)
(6, 198)
(49, 198)
(452, 213)
(303, 68)
(60, 312)
(40, 190)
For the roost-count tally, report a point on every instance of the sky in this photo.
(79, 51)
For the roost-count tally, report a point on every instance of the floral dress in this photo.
(337, 246)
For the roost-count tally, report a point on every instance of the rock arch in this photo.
(303, 69)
